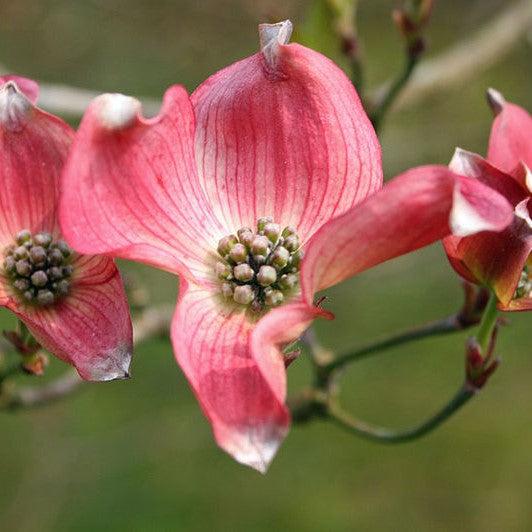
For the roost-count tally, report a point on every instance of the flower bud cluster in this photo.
(524, 286)
(259, 268)
(38, 268)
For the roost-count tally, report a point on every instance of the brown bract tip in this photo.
(117, 111)
(495, 100)
(14, 106)
(272, 36)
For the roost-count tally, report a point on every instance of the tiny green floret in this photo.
(259, 269)
(38, 268)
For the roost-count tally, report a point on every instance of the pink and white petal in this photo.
(283, 133)
(510, 136)
(411, 211)
(478, 207)
(130, 188)
(212, 346)
(33, 148)
(90, 328)
(473, 165)
(27, 86)
(275, 331)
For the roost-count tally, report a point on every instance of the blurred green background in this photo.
(139, 455)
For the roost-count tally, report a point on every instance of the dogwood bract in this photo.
(501, 260)
(73, 304)
(258, 190)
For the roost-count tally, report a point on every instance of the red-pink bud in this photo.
(479, 368)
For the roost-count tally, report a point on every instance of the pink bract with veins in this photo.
(501, 260)
(81, 316)
(283, 134)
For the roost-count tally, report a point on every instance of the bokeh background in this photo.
(139, 455)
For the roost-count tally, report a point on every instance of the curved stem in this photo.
(393, 91)
(385, 435)
(489, 319)
(435, 328)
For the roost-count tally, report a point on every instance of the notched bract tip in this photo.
(495, 100)
(272, 36)
(117, 111)
(465, 163)
(14, 106)
(111, 366)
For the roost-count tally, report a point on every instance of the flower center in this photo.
(259, 269)
(38, 268)
(524, 286)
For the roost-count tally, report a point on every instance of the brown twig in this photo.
(469, 57)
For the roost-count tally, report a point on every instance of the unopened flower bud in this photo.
(288, 231)
(23, 236)
(243, 272)
(22, 284)
(243, 295)
(288, 281)
(39, 278)
(291, 243)
(295, 259)
(272, 231)
(10, 264)
(274, 298)
(246, 237)
(280, 257)
(45, 297)
(55, 273)
(63, 247)
(223, 270)
(261, 222)
(28, 295)
(267, 275)
(20, 253)
(55, 257)
(42, 239)
(238, 253)
(242, 231)
(225, 244)
(62, 287)
(37, 255)
(260, 246)
(23, 268)
(227, 290)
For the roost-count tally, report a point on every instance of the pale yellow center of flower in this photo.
(38, 268)
(259, 268)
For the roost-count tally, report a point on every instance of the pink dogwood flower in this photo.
(73, 304)
(257, 191)
(501, 260)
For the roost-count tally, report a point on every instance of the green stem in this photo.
(391, 94)
(435, 328)
(488, 322)
(385, 435)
